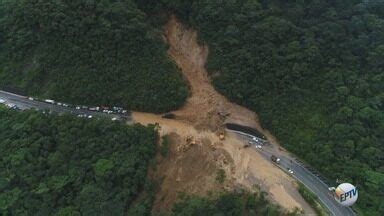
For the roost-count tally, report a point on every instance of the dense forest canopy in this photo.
(100, 52)
(228, 203)
(312, 69)
(63, 165)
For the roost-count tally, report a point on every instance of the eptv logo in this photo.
(346, 194)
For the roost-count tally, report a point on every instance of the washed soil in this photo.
(192, 168)
(188, 169)
(205, 103)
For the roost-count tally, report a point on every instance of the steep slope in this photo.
(64, 165)
(199, 119)
(87, 52)
(204, 103)
(312, 70)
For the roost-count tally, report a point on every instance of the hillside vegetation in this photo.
(87, 52)
(228, 203)
(52, 165)
(312, 69)
(314, 72)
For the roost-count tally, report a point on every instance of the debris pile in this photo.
(189, 141)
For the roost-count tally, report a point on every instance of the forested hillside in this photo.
(52, 165)
(312, 69)
(228, 203)
(87, 52)
(314, 72)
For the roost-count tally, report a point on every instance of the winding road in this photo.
(303, 175)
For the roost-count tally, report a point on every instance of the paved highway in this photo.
(24, 103)
(306, 177)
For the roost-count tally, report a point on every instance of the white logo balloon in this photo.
(346, 194)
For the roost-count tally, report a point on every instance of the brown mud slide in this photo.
(202, 108)
(191, 168)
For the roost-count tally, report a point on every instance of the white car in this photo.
(90, 116)
(77, 107)
(31, 98)
(114, 119)
(94, 108)
(2, 101)
(258, 146)
(290, 171)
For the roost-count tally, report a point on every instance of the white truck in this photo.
(49, 101)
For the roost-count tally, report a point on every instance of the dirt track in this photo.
(199, 118)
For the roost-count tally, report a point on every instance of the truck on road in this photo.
(49, 101)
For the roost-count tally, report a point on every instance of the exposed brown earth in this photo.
(192, 168)
(202, 107)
